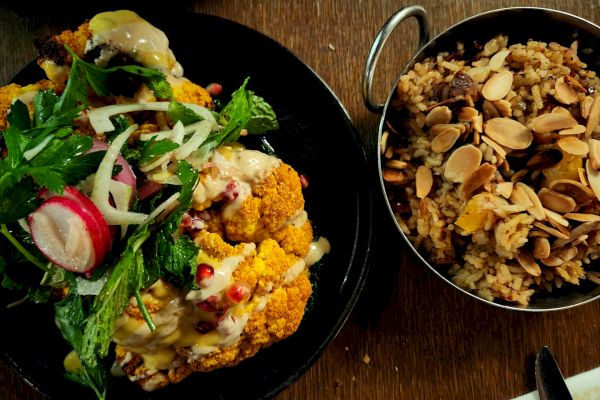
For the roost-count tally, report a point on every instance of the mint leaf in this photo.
(18, 116)
(154, 148)
(262, 116)
(179, 112)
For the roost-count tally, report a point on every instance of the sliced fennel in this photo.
(100, 191)
(121, 194)
(195, 141)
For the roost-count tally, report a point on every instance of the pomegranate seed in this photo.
(231, 191)
(207, 306)
(303, 181)
(237, 292)
(186, 220)
(214, 89)
(205, 326)
(203, 273)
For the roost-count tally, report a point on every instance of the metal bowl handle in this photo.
(379, 42)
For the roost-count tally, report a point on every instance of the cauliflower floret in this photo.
(185, 91)
(273, 202)
(9, 92)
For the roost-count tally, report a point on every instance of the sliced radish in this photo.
(149, 188)
(126, 175)
(68, 234)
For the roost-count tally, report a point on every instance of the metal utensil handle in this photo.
(379, 42)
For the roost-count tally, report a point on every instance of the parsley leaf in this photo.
(154, 148)
(179, 112)
(19, 116)
(43, 106)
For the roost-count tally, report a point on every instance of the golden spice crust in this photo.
(9, 92)
(294, 240)
(273, 201)
(185, 91)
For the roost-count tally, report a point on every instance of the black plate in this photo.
(318, 139)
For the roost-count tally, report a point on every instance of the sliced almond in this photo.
(445, 140)
(439, 128)
(581, 230)
(438, 115)
(528, 263)
(393, 176)
(545, 159)
(553, 122)
(555, 218)
(572, 145)
(586, 106)
(504, 107)
(479, 74)
(577, 130)
(537, 210)
(541, 248)
(462, 163)
(519, 175)
(519, 197)
(582, 176)
(593, 117)
(535, 234)
(552, 261)
(489, 110)
(497, 86)
(580, 217)
(575, 84)
(497, 59)
(478, 124)
(554, 232)
(478, 178)
(397, 164)
(579, 192)
(504, 189)
(556, 201)
(561, 110)
(568, 253)
(565, 93)
(501, 151)
(509, 133)
(594, 152)
(423, 181)
(467, 114)
(593, 176)
(383, 142)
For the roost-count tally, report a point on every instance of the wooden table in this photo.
(424, 339)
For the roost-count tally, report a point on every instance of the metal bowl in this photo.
(520, 24)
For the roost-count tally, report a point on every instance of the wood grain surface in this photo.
(424, 339)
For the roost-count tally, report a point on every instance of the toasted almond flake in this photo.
(501, 151)
(593, 176)
(578, 191)
(535, 234)
(423, 181)
(497, 86)
(393, 176)
(397, 164)
(508, 132)
(438, 115)
(553, 122)
(519, 175)
(445, 140)
(528, 263)
(581, 230)
(561, 110)
(519, 197)
(555, 217)
(575, 84)
(389, 152)
(420, 118)
(478, 124)
(593, 117)
(489, 110)
(582, 176)
(383, 142)
(556, 201)
(565, 93)
(462, 163)
(476, 138)
(594, 152)
(572, 145)
(478, 178)
(497, 59)
(545, 159)
(439, 128)
(479, 74)
(537, 210)
(504, 107)
(586, 106)
(568, 253)
(580, 217)
(552, 261)
(541, 248)
(554, 232)
(467, 114)
(577, 130)
(504, 189)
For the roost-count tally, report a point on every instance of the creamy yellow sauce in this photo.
(126, 32)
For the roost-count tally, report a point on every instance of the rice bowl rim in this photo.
(566, 19)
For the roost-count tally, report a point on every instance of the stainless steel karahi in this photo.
(520, 24)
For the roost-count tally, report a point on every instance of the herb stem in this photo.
(144, 310)
(30, 257)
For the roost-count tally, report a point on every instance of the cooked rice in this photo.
(484, 233)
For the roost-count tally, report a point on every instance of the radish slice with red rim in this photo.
(68, 234)
(126, 175)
